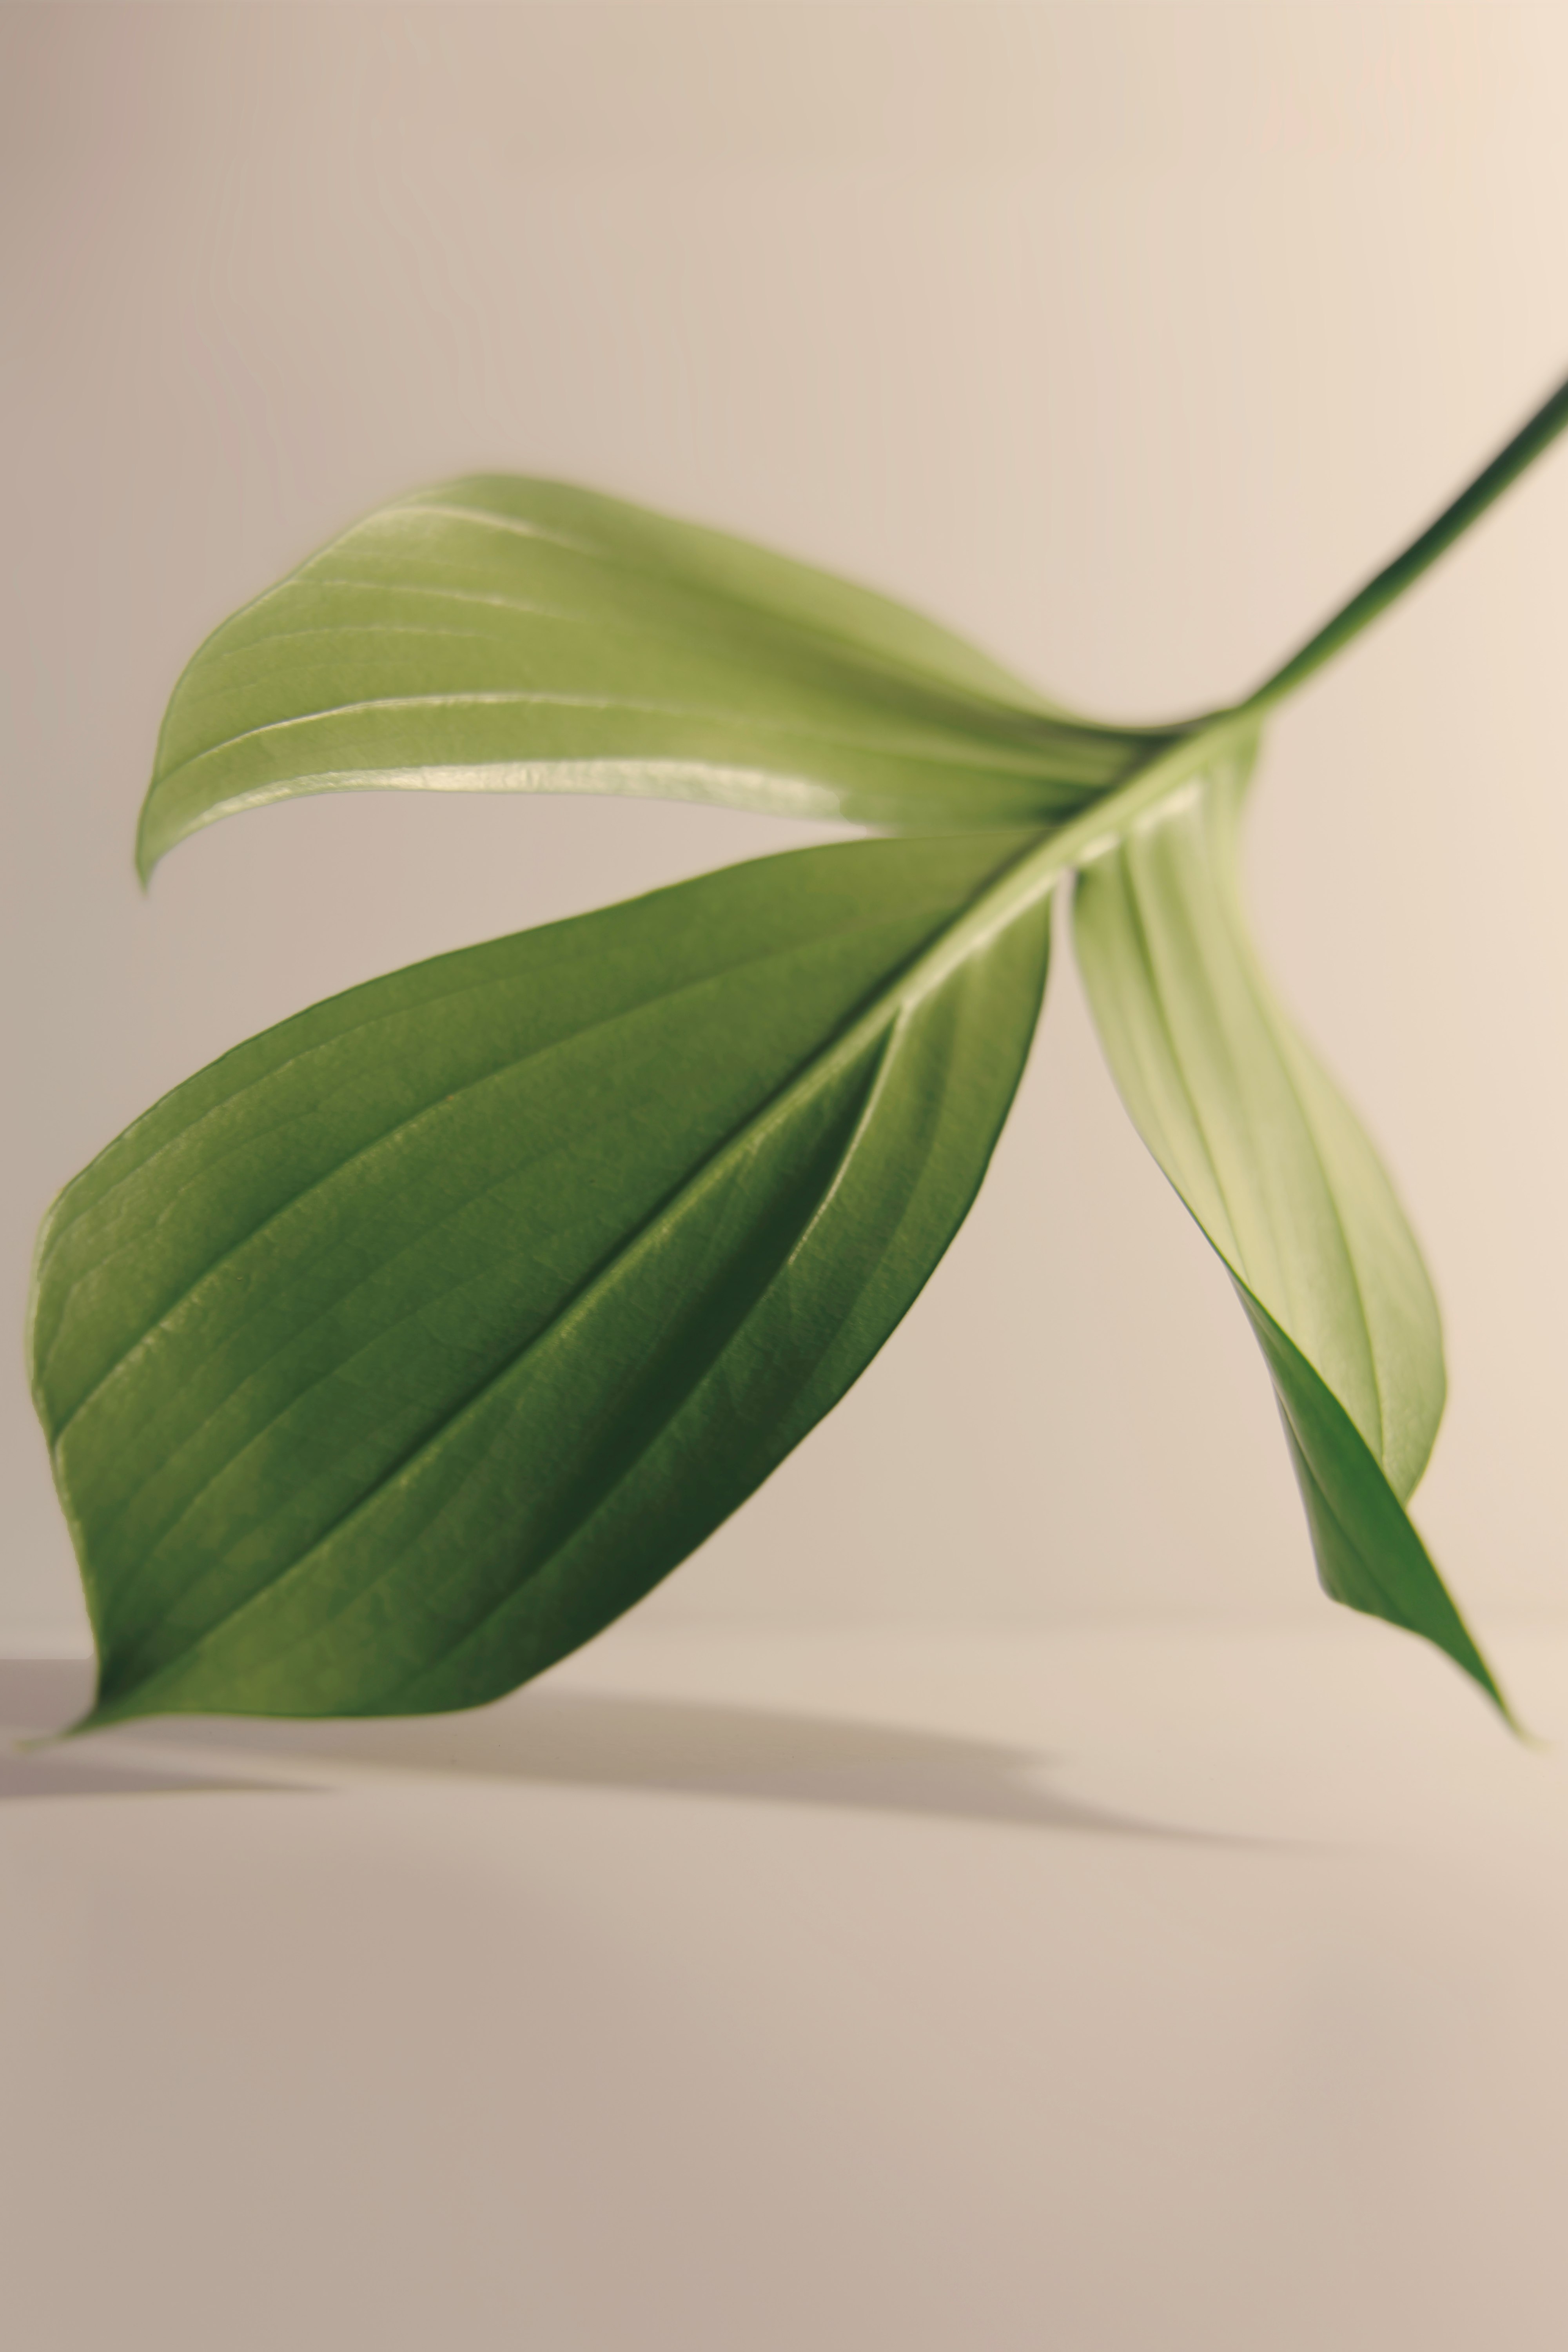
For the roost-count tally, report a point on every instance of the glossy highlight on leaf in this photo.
(498, 634)
(395, 1354)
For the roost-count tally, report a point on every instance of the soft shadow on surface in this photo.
(38, 1695)
(596, 1740)
(82, 1773)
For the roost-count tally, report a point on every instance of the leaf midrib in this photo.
(987, 759)
(858, 927)
(741, 1140)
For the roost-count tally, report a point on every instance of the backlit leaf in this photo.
(1280, 1176)
(499, 634)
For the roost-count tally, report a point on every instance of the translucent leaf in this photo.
(499, 634)
(1280, 1176)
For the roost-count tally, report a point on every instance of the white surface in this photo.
(1125, 338)
(1093, 1992)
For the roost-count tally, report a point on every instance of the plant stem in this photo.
(1406, 567)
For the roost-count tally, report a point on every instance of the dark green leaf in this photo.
(501, 633)
(395, 1354)
(1280, 1176)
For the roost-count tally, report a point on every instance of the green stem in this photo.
(1526, 445)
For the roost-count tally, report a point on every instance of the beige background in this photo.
(770, 1983)
(1126, 339)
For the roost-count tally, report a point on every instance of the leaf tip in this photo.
(1472, 1662)
(148, 853)
(1521, 1730)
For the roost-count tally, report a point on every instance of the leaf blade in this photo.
(369, 1391)
(499, 633)
(1369, 1554)
(1283, 1181)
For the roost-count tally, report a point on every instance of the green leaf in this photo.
(393, 1356)
(390, 1358)
(501, 633)
(1282, 1177)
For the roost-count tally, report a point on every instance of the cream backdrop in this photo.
(1125, 338)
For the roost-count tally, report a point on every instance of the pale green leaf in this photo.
(1280, 1176)
(498, 634)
